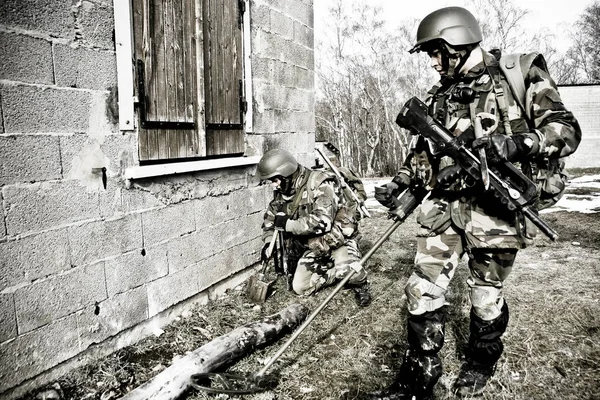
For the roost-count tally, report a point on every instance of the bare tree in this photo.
(364, 74)
(583, 57)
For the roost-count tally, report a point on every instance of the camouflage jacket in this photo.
(312, 208)
(553, 128)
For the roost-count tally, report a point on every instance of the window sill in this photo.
(150, 171)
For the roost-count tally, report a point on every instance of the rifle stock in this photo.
(515, 191)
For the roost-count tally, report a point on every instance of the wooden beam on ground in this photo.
(220, 352)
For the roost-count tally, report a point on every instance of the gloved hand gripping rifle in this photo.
(507, 183)
(361, 205)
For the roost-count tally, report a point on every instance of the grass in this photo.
(552, 345)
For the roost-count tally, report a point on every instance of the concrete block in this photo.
(95, 24)
(304, 35)
(294, 121)
(211, 211)
(303, 145)
(134, 199)
(167, 223)
(262, 69)
(249, 201)
(98, 240)
(238, 231)
(50, 17)
(172, 289)
(84, 68)
(189, 249)
(45, 301)
(63, 110)
(32, 353)
(227, 263)
(2, 221)
(33, 257)
(304, 78)
(25, 59)
(299, 55)
(282, 25)
(1, 115)
(109, 317)
(260, 16)
(8, 320)
(39, 206)
(301, 12)
(284, 74)
(135, 268)
(29, 158)
(263, 120)
(81, 153)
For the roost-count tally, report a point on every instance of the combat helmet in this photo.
(454, 25)
(277, 162)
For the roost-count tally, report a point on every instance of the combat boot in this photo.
(362, 294)
(472, 379)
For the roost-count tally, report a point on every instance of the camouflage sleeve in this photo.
(268, 220)
(558, 130)
(320, 219)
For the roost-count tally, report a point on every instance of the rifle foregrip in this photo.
(537, 221)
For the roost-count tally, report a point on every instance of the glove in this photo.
(388, 193)
(264, 257)
(500, 148)
(280, 221)
(448, 175)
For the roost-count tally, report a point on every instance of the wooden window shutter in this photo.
(223, 81)
(166, 70)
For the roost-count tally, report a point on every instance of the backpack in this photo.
(548, 174)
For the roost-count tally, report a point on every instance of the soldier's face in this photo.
(276, 183)
(435, 57)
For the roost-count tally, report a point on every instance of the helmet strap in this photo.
(453, 59)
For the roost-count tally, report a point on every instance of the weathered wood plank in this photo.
(222, 351)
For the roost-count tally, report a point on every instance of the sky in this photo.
(552, 14)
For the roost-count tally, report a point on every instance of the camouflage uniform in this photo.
(459, 219)
(320, 234)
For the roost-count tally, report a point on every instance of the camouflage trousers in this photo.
(436, 261)
(313, 273)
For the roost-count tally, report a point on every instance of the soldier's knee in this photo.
(423, 296)
(487, 302)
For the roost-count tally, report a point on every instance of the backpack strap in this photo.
(515, 68)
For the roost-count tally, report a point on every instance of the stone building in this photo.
(584, 102)
(129, 137)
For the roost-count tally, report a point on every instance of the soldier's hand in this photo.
(388, 194)
(280, 221)
(448, 175)
(500, 148)
(264, 256)
(385, 194)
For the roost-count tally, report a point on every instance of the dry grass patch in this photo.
(552, 343)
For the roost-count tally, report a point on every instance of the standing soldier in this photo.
(472, 100)
(319, 229)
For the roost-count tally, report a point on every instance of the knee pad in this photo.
(423, 296)
(487, 302)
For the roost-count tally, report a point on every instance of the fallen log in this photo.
(220, 352)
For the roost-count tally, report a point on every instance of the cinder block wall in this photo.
(85, 269)
(584, 102)
(283, 75)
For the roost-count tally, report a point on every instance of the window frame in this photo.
(127, 101)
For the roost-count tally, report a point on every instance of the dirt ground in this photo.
(552, 345)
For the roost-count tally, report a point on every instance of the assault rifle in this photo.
(507, 183)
